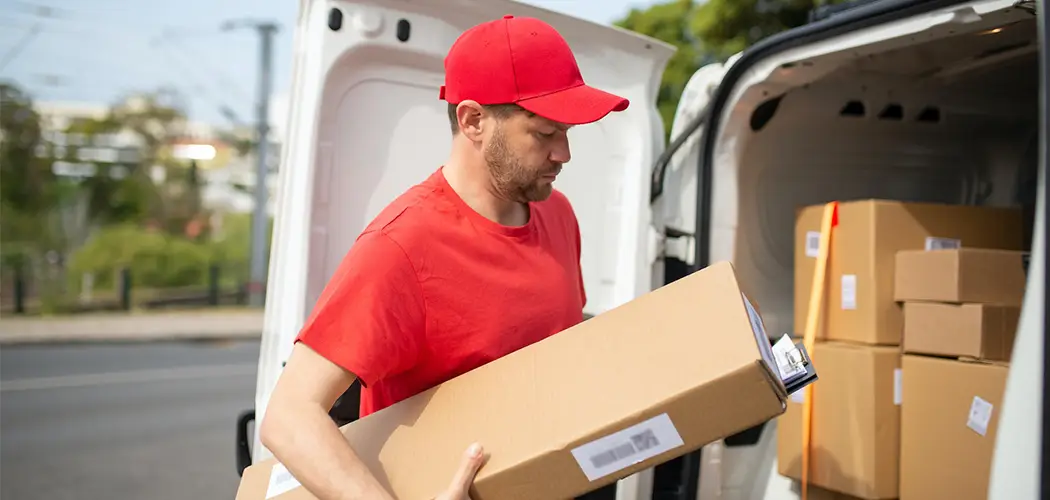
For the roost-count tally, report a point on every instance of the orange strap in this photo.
(816, 300)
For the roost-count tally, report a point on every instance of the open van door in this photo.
(1021, 460)
(366, 123)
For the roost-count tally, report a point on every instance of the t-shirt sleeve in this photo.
(370, 318)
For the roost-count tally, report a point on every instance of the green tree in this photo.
(669, 22)
(708, 31)
(28, 188)
(155, 119)
(726, 27)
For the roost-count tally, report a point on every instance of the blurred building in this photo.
(225, 157)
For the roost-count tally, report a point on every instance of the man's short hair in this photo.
(500, 111)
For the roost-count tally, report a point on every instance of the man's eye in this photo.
(545, 134)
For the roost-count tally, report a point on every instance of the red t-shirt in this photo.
(431, 289)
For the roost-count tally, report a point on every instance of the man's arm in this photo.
(367, 324)
(298, 430)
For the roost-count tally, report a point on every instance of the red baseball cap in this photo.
(523, 61)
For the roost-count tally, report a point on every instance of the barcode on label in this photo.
(933, 243)
(812, 243)
(642, 441)
(627, 447)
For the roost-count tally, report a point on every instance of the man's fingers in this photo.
(468, 468)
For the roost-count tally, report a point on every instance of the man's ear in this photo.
(470, 114)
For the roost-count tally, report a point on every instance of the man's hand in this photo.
(464, 478)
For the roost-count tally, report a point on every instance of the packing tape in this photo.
(813, 316)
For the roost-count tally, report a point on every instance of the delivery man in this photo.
(478, 260)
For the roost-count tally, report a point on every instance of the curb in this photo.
(28, 339)
(132, 328)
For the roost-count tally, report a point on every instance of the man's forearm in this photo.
(310, 445)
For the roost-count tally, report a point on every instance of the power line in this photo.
(20, 46)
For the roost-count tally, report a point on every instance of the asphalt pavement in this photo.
(123, 421)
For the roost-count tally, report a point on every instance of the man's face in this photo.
(525, 153)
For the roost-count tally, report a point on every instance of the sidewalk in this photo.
(134, 327)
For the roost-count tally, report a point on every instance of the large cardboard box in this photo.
(978, 331)
(646, 382)
(949, 418)
(860, 300)
(977, 275)
(855, 434)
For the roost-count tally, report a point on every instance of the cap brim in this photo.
(575, 106)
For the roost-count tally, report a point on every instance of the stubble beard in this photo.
(510, 179)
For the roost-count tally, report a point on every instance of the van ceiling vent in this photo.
(764, 113)
(892, 112)
(929, 114)
(852, 108)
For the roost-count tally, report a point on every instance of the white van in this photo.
(895, 99)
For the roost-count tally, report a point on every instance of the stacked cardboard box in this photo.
(961, 309)
(856, 422)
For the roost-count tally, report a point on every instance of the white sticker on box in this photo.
(812, 243)
(628, 447)
(897, 386)
(281, 481)
(980, 415)
(933, 243)
(849, 291)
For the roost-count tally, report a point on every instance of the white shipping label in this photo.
(933, 243)
(812, 243)
(980, 415)
(628, 447)
(849, 291)
(281, 481)
(897, 386)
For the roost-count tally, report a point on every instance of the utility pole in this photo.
(260, 244)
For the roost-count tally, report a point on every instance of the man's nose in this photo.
(560, 151)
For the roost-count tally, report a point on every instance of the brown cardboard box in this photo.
(970, 330)
(648, 381)
(860, 300)
(978, 275)
(856, 422)
(949, 418)
(807, 245)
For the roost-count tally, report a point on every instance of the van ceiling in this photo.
(957, 54)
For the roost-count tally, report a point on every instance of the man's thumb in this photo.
(468, 467)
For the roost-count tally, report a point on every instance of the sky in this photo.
(94, 51)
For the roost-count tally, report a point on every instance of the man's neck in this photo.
(473, 183)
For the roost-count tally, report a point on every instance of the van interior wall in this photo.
(952, 121)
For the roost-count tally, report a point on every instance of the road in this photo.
(123, 421)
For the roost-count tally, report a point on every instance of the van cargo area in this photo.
(946, 115)
(938, 106)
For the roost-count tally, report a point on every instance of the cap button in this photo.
(508, 16)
